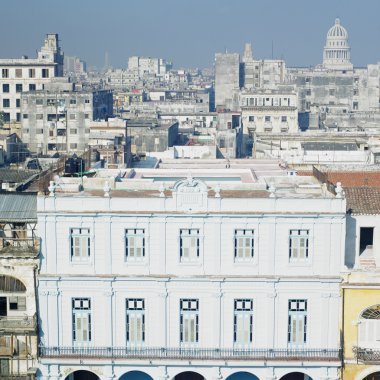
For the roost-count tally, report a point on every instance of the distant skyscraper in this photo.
(106, 61)
(248, 56)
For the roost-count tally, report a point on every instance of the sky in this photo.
(189, 32)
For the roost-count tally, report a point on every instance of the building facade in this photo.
(194, 279)
(58, 118)
(19, 259)
(26, 74)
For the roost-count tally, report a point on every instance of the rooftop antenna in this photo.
(272, 49)
(106, 59)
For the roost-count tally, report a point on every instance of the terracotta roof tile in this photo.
(363, 200)
(355, 179)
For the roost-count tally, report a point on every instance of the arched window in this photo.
(369, 327)
(10, 284)
(372, 312)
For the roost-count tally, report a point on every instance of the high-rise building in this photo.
(227, 80)
(20, 75)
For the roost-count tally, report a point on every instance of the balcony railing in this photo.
(19, 246)
(190, 353)
(367, 354)
(22, 323)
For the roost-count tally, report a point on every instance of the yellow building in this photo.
(361, 325)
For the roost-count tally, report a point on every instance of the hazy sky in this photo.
(189, 32)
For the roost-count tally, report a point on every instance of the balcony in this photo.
(367, 355)
(18, 324)
(18, 369)
(189, 353)
(19, 247)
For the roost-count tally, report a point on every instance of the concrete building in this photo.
(19, 260)
(129, 279)
(143, 66)
(265, 73)
(26, 74)
(270, 110)
(151, 135)
(57, 118)
(334, 91)
(228, 80)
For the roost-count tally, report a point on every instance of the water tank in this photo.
(74, 165)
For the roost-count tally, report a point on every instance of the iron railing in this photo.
(19, 246)
(189, 353)
(367, 354)
(18, 323)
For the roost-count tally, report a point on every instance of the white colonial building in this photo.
(148, 274)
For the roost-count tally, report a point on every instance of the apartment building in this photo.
(28, 74)
(221, 274)
(58, 118)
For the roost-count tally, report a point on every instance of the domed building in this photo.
(336, 53)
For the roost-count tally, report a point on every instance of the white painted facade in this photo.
(214, 277)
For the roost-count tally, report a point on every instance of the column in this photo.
(161, 337)
(107, 339)
(53, 318)
(216, 339)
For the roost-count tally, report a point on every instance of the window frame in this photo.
(248, 234)
(137, 233)
(188, 313)
(247, 312)
(81, 310)
(83, 236)
(183, 237)
(297, 313)
(137, 309)
(294, 244)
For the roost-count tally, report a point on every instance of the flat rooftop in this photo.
(257, 181)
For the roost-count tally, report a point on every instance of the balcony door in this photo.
(369, 333)
(297, 322)
(369, 328)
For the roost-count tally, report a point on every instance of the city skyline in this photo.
(190, 34)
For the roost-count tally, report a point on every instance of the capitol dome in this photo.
(337, 52)
(337, 31)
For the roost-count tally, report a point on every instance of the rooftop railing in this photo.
(190, 353)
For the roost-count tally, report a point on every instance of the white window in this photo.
(134, 244)
(189, 245)
(80, 244)
(189, 322)
(298, 245)
(243, 322)
(81, 321)
(244, 245)
(297, 323)
(135, 322)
